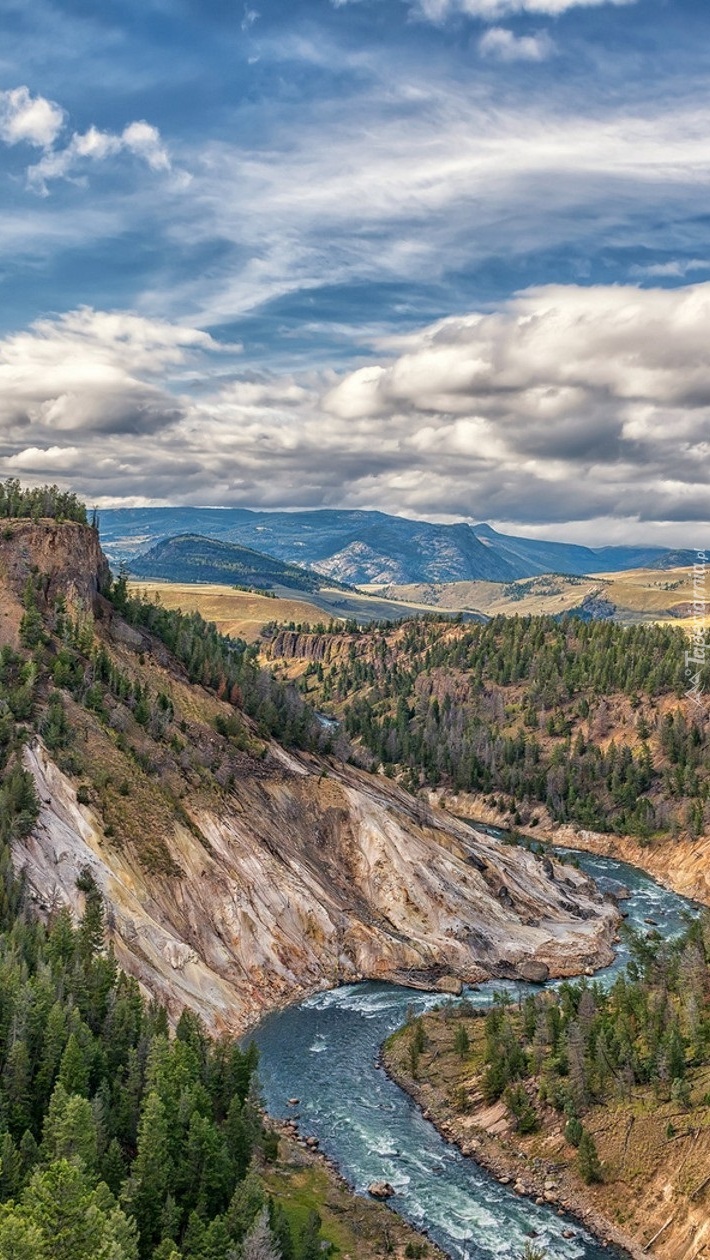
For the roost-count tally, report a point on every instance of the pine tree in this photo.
(247, 1201)
(74, 1067)
(590, 1168)
(10, 1168)
(70, 1130)
(17, 1081)
(145, 1192)
(310, 1239)
(462, 1041)
(76, 1222)
(20, 1238)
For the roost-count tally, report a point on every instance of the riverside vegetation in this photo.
(605, 1092)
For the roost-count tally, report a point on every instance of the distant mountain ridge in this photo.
(359, 547)
(194, 558)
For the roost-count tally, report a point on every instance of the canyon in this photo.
(240, 879)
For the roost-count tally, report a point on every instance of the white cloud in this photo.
(139, 138)
(391, 189)
(144, 140)
(493, 10)
(27, 119)
(91, 371)
(33, 120)
(676, 269)
(503, 45)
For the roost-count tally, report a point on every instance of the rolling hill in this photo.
(634, 595)
(192, 558)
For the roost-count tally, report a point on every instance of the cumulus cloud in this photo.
(89, 372)
(566, 404)
(33, 120)
(139, 138)
(27, 119)
(503, 45)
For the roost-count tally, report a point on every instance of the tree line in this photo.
(39, 502)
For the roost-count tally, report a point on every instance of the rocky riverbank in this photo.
(654, 1198)
(680, 863)
(304, 1178)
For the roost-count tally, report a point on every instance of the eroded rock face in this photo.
(68, 555)
(304, 881)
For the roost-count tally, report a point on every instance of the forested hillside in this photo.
(587, 720)
(117, 1140)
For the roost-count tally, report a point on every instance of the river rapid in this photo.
(324, 1052)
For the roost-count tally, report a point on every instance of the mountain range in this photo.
(373, 547)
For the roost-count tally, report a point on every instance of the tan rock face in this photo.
(305, 882)
(68, 555)
(294, 645)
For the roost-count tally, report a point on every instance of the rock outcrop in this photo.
(67, 554)
(300, 882)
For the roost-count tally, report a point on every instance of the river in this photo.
(324, 1052)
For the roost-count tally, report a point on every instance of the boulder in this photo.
(450, 984)
(534, 971)
(381, 1190)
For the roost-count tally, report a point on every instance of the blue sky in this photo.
(447, 258)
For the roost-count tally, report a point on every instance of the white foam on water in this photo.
(320, 1045)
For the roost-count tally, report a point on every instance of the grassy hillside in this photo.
(247, 614)
(240, 614)
(638, 595)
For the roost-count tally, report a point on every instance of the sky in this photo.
(448, 259)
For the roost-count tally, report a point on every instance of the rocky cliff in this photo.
(296, 645)
(238, 875)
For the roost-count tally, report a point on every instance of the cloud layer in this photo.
(358, 173)
(566, 404)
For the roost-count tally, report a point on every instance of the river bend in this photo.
(324, 1052)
